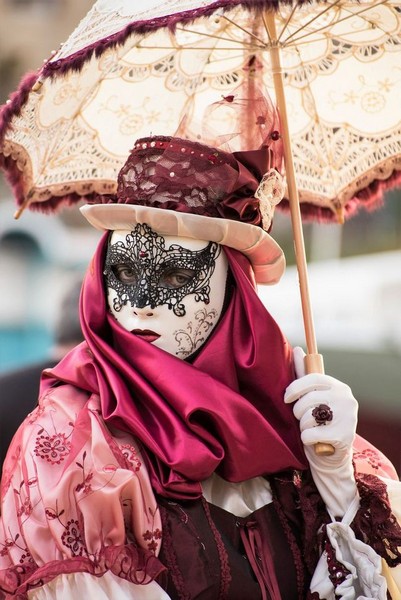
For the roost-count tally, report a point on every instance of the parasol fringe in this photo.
(14, 178)
(16, 101)
(9, 165)
(51, 206)
(369, 199)
(76, 61)
(9, 110)
(55, 203)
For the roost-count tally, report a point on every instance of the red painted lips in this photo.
(146, 334)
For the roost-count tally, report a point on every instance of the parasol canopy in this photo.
(133, 69)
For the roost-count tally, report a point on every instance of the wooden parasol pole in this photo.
(313, 360)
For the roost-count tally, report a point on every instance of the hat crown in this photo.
(176, 174)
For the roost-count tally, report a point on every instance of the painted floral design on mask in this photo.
(149, 264)
(196, 333)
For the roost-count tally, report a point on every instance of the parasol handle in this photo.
(313, 360)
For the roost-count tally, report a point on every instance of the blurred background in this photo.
(355, 269)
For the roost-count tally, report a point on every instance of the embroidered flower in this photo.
(152, 546)
(25, 508)
(53, 448)
(26, 557)
(85, 486)
(297, 479)
(151, 537)
(35, 414)
(370, 456)
(130, 454)
(71, 538)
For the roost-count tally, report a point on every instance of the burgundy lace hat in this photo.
(184, 188)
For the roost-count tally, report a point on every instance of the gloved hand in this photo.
(333, 475)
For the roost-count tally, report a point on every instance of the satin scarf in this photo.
(223, 412)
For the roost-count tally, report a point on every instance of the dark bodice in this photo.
(211, 554)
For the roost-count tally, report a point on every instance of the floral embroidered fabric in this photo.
(75, 498)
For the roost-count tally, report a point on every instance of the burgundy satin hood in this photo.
(224, 413)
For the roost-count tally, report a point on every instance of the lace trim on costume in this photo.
(129, 562)
(337, 571)
(225, 574)
(173, 174)
(283, 500)
(315, 517)
(171, 557)
(374, 522)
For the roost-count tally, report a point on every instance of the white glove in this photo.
(333, 475)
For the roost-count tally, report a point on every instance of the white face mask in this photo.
(167, 290)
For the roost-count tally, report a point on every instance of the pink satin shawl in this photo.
(224, 412)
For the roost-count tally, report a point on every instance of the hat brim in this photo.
(265, 255)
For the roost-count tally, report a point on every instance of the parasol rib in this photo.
(250, 33)
(286, 24)
(306, 25)
(295, 40)
(220, 37)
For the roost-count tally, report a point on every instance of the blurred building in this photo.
(40, 256)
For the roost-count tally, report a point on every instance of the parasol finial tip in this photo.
(340, 215)
(23, 206)
(19, 212)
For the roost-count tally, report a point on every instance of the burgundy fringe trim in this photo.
(16, 101)
(369, 199)
(171, 557)
(301, 509)
(77, 60)
(14, 178)
(7, 112)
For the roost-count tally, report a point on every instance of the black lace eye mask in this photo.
(148, 265)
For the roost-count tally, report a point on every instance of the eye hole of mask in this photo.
(171, 278)
(175, 277)
(125, 273)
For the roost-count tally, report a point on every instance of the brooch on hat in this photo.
(270, 192)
